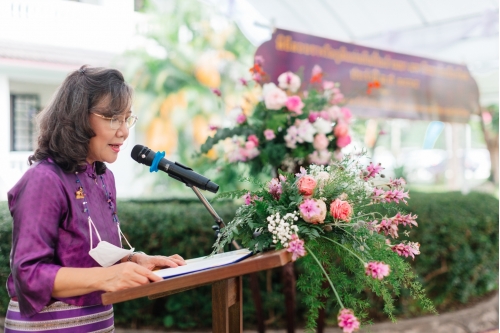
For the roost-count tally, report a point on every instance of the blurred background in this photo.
(174, 53)
(180, 54)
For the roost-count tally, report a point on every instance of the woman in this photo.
(66, 242)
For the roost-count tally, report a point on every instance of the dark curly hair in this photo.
(64, 130)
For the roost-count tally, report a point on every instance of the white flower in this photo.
(268, 87)
(290, 81)
(275, 98)
(322, 177)
(334, 112)
(306, 131)
(284, 229)
(292, 137)
(323, 126)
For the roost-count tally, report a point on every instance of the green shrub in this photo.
(459, 257)
(459, 244)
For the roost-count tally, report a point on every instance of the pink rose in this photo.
(294, 104)
(316, 70)
(249, 145)
(337, 98)
(241, 118)
(313, 115)
(324, 114)
(306, 185)
(341, 130)
(327, 85)
(320, 142)
(275, 99)
(334, 112)
(346, 113)
(343, 141)
(341, 210)
(269, 134)
(321, 157)
(313, 210)
(253, 139)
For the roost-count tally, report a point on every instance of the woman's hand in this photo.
(127, 275)
(152, 262)
(71, 282)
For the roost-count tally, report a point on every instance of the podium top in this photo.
(256, 263)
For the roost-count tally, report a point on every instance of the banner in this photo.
(411, 87)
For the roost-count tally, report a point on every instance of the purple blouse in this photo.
(51, 231)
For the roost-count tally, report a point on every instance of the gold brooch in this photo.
(79, 193)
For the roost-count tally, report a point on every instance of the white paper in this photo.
(202, 263)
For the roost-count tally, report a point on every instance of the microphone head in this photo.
(135, 152)
(142, 154)
(212, 187)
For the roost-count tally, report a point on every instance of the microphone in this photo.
(182, 173)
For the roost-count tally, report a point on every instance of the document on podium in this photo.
(203, 263)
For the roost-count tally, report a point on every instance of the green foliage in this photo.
(5, 244)
(493, 110)
(458, 230)
(459, 238)
(188, 48)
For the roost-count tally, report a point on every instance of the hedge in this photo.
(459, 257)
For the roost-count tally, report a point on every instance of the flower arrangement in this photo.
(288, 127)
(343, 222)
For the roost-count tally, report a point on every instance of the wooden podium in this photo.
(226, 281)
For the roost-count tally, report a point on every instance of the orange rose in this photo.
(306, 185)
(341, 210)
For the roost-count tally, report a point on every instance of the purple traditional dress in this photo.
(51, 231)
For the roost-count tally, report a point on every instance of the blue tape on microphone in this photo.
(154, 165)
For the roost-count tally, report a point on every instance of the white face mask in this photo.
(107, 254)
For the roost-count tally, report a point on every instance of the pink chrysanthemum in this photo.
(388, 228)
(248, 198)
(377, 270)
(405, 219)
(398, 183)
(313, 210)
(411, 249)
(309, 208)
(377, 195)
(371, 171)
(275, 188)
(302, 173)
(395, 196)
(348, 321)
(296, 247)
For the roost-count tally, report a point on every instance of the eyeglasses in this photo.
(116, 122)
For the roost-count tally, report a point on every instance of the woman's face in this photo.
(106, 143)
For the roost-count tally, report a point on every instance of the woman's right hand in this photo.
(127, 275)
(71, 281)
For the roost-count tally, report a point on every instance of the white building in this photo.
(40, 43)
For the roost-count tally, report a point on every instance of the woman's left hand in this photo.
(152, 262)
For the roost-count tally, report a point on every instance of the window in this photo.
(23, 109)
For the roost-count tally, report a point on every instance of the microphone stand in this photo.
(211, 210)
